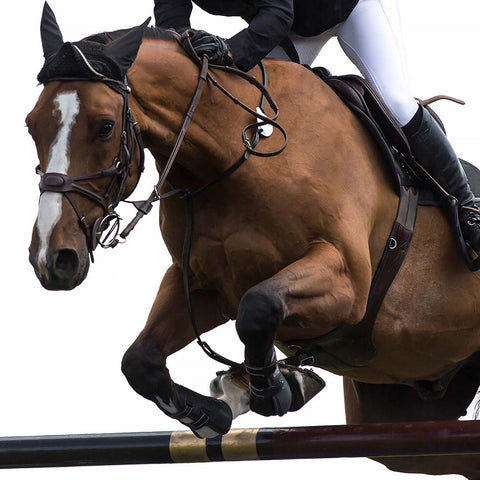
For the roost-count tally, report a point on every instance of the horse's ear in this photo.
(124, 50)
(52, 38)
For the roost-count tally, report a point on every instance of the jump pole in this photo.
(369, 440)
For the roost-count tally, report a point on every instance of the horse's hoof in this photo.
(206, 417)
(233, 387)
(272, 397)
(304, 384)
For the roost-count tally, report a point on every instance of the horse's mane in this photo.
(150, 32)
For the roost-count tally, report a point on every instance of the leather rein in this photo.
(105, 230)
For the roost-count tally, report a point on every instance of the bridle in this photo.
(104, 230)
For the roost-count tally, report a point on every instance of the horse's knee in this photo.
(259, 314)
(146, 372)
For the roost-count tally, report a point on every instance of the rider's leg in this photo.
(307, 48)
(371, 39)
(435, 153)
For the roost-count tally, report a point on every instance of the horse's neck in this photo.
(163, 82)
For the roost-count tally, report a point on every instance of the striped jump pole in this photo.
(369, 440)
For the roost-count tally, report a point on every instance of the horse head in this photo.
(90, 154)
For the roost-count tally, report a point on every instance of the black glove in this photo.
(214, 47)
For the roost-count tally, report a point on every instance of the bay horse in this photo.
(287, 245)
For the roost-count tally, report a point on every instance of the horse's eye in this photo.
(105, 129)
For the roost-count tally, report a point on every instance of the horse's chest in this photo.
(236, 262)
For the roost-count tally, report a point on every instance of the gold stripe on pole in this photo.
(240, 445)
(185, 447)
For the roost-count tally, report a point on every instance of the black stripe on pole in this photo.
(214, 449)
(79, 450)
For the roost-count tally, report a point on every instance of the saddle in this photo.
(359, 96)
(350, 347)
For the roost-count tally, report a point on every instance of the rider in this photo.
(368, 33)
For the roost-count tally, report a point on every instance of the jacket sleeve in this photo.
(266, 30)
(172, 13)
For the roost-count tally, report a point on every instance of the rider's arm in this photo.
(268, 27)
(266, 30)
(172, 13)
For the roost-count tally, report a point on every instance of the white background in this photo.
(60, 352)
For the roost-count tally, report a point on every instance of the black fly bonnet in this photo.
(107, 63)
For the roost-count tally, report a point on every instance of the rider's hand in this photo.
(214, 47)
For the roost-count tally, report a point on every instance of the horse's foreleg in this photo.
(314, 294)
(168, 330)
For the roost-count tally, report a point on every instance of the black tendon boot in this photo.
(270, 393)
(433, 151)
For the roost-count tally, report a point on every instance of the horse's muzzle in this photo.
(63, 269)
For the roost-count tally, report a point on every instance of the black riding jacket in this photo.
(270, 21)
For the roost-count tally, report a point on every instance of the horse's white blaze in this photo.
(50, 205)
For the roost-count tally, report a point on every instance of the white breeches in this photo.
(371, 38)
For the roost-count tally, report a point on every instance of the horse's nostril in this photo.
(65, 263)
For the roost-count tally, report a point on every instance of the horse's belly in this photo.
(420, 349)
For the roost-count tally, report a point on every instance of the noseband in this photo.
(104, 230)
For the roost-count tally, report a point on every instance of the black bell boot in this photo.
(433, 151)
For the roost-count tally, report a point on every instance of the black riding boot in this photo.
(433, 151)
